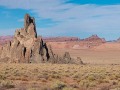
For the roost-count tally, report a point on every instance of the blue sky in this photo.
(98, 2)
(80, 18)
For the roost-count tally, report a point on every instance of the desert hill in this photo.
(86, 43)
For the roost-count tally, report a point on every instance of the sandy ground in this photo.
(108, 56)
(101, 72)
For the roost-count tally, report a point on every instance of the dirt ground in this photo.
(59, 77)
(93, 56)
(100, 72)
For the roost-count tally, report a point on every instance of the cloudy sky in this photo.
(80, 18)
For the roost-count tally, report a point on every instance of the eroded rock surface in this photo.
(26, 47)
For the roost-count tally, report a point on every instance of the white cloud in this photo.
(73, 18)
(9, 31)
(20, 20)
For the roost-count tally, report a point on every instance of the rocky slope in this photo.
(26, 47)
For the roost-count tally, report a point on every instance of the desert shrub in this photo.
(43, 75)
(113, 77)
(105, 88)
(76, 75)
(58, 85)
(69, 88)
(2, 77)
(74, 86)
(45, 88)
(114, 83)
(7, 84)
(84, 83)
(55, 76)
(100, 81)
(93, 84)
(91, 78)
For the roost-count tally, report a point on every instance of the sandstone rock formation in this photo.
(93, 41)
(95, 38)
(26, 47)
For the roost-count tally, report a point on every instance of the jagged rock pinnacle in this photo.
(29, 25)
(26, 47)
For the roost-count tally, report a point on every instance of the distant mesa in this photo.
(5, 39)
(118, 40)
(65, 42)
(93, 41)
(26, 47)
(95, 38)
(60, 39)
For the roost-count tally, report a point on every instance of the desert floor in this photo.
(90, 56)
(100, 72)
(59, 77)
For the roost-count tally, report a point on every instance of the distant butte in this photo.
(95, 38)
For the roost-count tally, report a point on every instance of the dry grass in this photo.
(59, 77)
